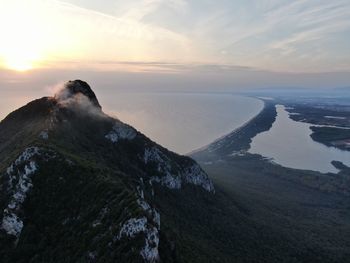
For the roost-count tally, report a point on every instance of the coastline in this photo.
(231, 132)
(229, 155)
(240, 138)
(185, 122)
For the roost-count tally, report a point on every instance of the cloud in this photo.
(298, 36)
(77, 102)
(64, 31)
(274, 35)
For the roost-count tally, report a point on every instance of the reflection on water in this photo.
(289, 143)
(182, 122)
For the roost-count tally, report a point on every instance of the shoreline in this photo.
(231, 132)
(240, 138)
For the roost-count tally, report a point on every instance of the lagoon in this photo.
(288, 143)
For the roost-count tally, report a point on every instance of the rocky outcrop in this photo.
(75, 87)
(175, 174)
(121, 131)
(19, 183)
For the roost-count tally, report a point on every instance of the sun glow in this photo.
(20, 46)
(54, 34)
(19, 65)
(20, 59)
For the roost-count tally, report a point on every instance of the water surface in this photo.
(289, 143)
(182, 122)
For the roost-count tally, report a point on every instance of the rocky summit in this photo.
(74, 88)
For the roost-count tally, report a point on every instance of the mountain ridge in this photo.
(69, 137)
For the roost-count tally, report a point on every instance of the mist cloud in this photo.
(77, 102)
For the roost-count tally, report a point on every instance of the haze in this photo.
(158, 45)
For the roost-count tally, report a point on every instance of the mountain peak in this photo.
(101, 181)
(75, 87)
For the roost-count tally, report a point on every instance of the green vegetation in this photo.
(292, 215)
(297, 214)
(261, 212)
(240, 139)
(61, 210)
(323, 112)
(85, 192)
(336, 137)
(319, 112)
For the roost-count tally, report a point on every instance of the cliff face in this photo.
(78, 185)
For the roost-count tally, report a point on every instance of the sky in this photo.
(275, 35)
(200, 45)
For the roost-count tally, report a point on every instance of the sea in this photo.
(182, 122)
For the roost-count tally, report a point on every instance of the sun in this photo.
(21, 44)
(19, 61)
(20, 57)
(19, 65)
